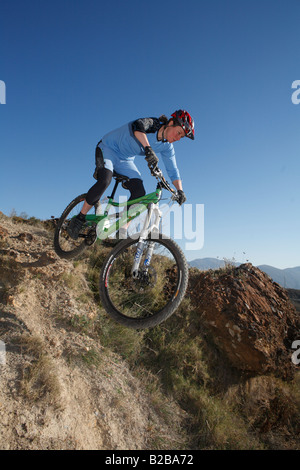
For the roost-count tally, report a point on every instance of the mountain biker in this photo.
(118, 149)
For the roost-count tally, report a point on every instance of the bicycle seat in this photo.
(119, 177)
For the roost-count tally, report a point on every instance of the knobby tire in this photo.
(61, 236)
(112, 306)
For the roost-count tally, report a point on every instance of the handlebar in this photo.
(157, 173)
(162, 182)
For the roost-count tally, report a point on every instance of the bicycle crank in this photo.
(91, 237)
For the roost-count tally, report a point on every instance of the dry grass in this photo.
(268, 403)
(38, 381)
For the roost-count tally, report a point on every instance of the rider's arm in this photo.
(142, 138)
(172, 170)
(178, 184)
(181, 197)
(169, 160)
(144, 126)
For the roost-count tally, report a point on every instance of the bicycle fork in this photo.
(135, 271)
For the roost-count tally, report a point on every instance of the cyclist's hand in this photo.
(151, 157)
(181, 197)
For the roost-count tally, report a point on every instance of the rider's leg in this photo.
(104, 176)
(85, 208)
(136, 188)
(134, 185)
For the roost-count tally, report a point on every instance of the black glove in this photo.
(151, 157)
(181, 198)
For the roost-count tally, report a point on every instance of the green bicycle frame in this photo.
(105, 229)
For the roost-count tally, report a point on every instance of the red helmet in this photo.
(185, 120)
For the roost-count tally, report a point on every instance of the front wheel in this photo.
(154, 294)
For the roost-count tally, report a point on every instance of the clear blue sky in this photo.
(76, 69)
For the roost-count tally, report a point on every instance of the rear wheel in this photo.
(154, 294)
(64, 245)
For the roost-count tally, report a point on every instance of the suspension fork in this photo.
(152, 208)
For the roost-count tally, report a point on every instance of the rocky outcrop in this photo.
(251, 318)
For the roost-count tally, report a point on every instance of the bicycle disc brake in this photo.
(146, 279)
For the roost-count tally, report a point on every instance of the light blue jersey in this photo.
(120, 147)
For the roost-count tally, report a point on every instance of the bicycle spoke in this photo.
(151, 291)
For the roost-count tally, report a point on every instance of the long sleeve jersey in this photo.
(124, 143)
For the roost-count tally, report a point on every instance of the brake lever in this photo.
(174, 196)
(159, 175)
(156, 172)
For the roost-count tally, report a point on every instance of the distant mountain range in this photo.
(288, 278)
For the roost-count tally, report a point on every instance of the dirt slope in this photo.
(60, 388)
(217, 375)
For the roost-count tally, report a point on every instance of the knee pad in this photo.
(136, 188)
(104, 178)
